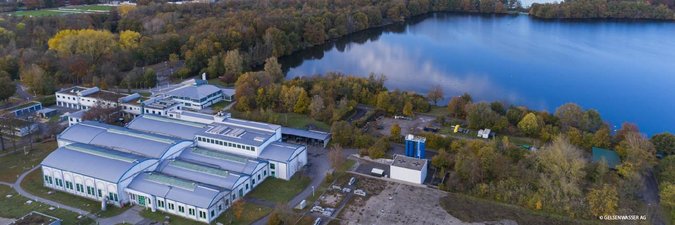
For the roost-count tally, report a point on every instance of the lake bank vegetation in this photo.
(605, 9)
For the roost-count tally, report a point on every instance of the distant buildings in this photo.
(192, 165)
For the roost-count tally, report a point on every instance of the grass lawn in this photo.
(469, 209)
(278, 190)
(251, 213)
(33, 184)
(62, 10)
(220, 106)
(15, 207)
(16, 163)
(438, 111)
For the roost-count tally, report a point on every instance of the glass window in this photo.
(191, 212)
(271, 166)
(181, 209)
(160, 203)
(100, 193)
(171, 206)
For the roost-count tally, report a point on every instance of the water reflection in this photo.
(541, 64)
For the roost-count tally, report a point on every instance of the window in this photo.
(171, 206)
(90, 190)
(271, 166)
(100, 193)
(254, 180)
(247, 187)
(132, 196)
(160, 203)
(220, 207)
(59, 182)
(181, 209)
(213, 213)
(48, 179)
(265, 173)
(273, 174)
(113, 197)
(258, 176)
(69, 185)
(227, 202)
(191, 212)
(79, 187)
(202, 214)
(241, 192)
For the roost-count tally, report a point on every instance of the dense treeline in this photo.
(557, 177)
(616, 9)
(199, 36)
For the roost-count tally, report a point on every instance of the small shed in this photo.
(609, 156)
(47, 112)
(309, 137)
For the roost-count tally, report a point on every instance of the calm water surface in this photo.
(626, 70)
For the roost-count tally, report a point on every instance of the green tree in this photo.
(383, 101)
(481, 116)
(603, 200)
(602, 138)
(664, 142)
(7, 87)
(530, 124)
(342, 133)
(637, 153)
(379, 149)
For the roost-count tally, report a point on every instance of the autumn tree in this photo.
(395, 131)
(561, 167)
(481, 116)
(342, 133)
(603, 200)
(336, 156)
(570, 115)
(129, 39)
(602, 138)
(273, 68)
(457, 105)
(530, 124)
(435, 94)
(88, 42)
(379, 149)
(637, 154)
(408, 109)
(316, 107)
(37, 79)
(664, 142)
(234, 65)
(302, 103)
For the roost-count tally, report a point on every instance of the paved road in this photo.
(650, 195)
(21, 92)
(131, 216)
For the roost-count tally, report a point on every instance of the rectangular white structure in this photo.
(409, 169)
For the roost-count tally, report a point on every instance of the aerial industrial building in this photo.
(192, 165)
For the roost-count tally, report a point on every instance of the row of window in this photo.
(80, 188)
(225, 143)
(181, 209)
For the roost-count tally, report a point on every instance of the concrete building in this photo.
(25, 109)
(409, 169)
(222, 133)
(186, 168)
(84, 98)
(196, 94)
(101, 174)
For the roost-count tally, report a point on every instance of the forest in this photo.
(605, 9)
(114, 49)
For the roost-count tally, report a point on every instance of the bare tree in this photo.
(336, 157)
(435, 94)
(102, 113)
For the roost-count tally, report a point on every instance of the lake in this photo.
(624, 69)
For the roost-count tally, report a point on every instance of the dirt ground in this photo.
(407, 126)
(398, 204)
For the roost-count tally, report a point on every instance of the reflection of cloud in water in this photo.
(400, 65)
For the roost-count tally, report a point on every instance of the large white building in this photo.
(409, 169)
(186, 168)
(197, 94)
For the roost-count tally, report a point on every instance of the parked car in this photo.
(317, 221)
(352, 181)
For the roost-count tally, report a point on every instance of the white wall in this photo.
(408, 175)
(106, 187)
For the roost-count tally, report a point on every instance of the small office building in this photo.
(409, 169)
(196, 94)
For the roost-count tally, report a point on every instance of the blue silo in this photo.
(415, 146)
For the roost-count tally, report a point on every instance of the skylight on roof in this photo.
(219, 155)
(100, 153)
(141, 135)
(200, 168)
(171, 181)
